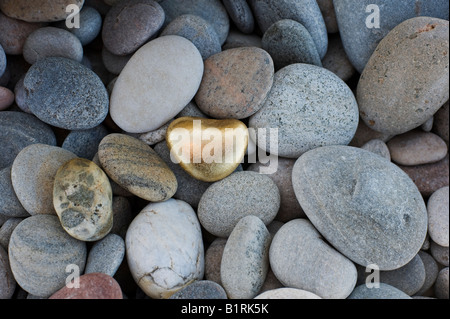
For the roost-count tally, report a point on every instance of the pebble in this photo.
(289, 42)
(213, 260)
(441, 286)
(271, 281)
(197, 30)
(120, 36)
(20, 96)
(237, 39)
(201, 289)
(66, 94)
(32, 175)
(241, 15)
(182, 65)
(329, 274)
(82, 198)
(439, 253)
(438, 216)
(122, 215)
(365, 134)
(164, 248)
(311, 107)
(245, 259)
(361, 41)
(336, 59)
(417, 147)
(287, 293)
(6, 230)
(114, 63)
(136, 167)
(441, 123)
(329, 15)
(431, 273)
(106, 255)
(39, 252)
(378, 147)
(9, 203)
(90, 25)
(6, 98)
(7, 282)
(366, 207)
(241, 194)
(413, 54)
(92, 286)
(385, 291)
(428, 125)
(84, 143)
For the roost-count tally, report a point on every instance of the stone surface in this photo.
(33, 173)
(441, 286)
(66, 94)
(136, 167)
(182, 65)
(237, 39)
(9, 203)
(122, 215)
(329, 274)
(336, 59)
(39, 252)
(365, 134)
(441, 123)
(213, 260)
(82, 198)
(438, 216)
(378, 147)
(6, 97)
(287, 293)
(92, 286)
(413, 54)
(431, 273)
(383, 292)
(201, 289)
(114, 63)
(241, 15)
(90, 25)
(7, 281)
(3, 61)
(365, 206)
(311, 107)
(106, 255)
(428, 125)
(439, 253)
(84, 143)
(20, 95)
(6, 230)
(329, 16)
(164, 248)
(245, 259)
(241, 194)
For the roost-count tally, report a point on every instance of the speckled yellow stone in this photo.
(207, 149)
(82, 198)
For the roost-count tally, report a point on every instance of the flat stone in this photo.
(413, 53)
(9, 203)
(431, 273)
(385, 291)
(90, 25)
(201, 289)
(39, 253)
(329, 16)
(84, 143)
(241, 15)
(438, 216)
(441, 286)
(365, 206)
(287, 293)
(6, 97)
(329, 274)
(7, 281)
(441, 123)
(213, 260)
(378, 147)
(164, 248)
(6, 230)
(439, 253)
(106, 255)
(336, 60)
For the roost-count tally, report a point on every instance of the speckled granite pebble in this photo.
(9, 203)
(106, 255)
(84, 143)
(241, 14)
(438, 216)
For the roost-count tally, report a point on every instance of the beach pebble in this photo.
(438, 216)
(327, 9)
(90, 25)
(164, 248)
(92, 286)
(441, 123)
(122, 215)
(201, 289)
(428, 125)
(66, 94)
(39, 253)
(440, 253)
(32, 174)
(329, 274)
(311, 107)
(6, 230)
(366, 207)
(271, 281)
(245, 259)
(20, 95)
(7, 281)
(136, 167)
(213, 260)
(413, 53)
(431, 273)
(235, 83)
(289, 42)
(6, 98)
(106, 255)
(114, 63)
(336, 59)
(9, 203)
(287, 293)
(378, 147)
(237, 39)
(441, 286)
(240, 194)
(384, 291)
(84, 143)
(182, 65)
(365, 134)
(241, 15)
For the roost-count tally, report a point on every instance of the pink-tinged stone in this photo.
(6, 98)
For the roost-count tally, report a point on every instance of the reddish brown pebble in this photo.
(6, 98)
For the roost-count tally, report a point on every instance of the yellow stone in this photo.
(207, 149)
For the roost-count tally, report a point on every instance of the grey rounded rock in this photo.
(201, 289)
(438, 216)
(106, 255)
(66, 94)
(428, 125)
(213, 260)
(385, 291)
(9, 203)
(441, 123)
(365, 206)
(84, 143)
(431, 273)
(441, 286)
(238, 195)
(378, 147)
(122, 215)
(439, 253)
(7, 281)
(241, 14)
(336, 60)
(114, 63)
(89, 27)
(20, 95)
(6, 230)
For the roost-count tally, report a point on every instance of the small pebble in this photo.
(441, 123)
(428, 125)
(6, 230)
(114, 63)
(237, 39)
(438, 216)
(84, 143)
(431, 273)
(106, 255)
(287, 293)
(378, 147)
(21, 96)
(213, 260)
(365, 134)
(241, 14)
(440, 253)
(336, 59)
(122, 215)
(201, 289)
(9, 203)
(89, 27)
(441, 286)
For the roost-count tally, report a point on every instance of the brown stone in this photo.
(329, 15)
(6, 98)
(213, 260)
(364, 134)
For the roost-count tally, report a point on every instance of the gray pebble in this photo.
(90, 25)
(378, 147)
(439, 253)
(441, 286)
(431, 273)
(213, 260)
(241, 14)
(201, 289)
(114, 63)
(336, 59)
(7, 281)
(428, 125)
(438, 216)
(383, 292)
(20, 95)
(9, 203)
(6, 230)
(122, 215)
(441, 123)
(106, 255)
(84, 143)
(237, 39)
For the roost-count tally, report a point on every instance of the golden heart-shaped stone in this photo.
(207, 149)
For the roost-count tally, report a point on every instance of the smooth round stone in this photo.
(385, 291)
(66, 94)
(240, 194)
(33, 173)
(329, 274)
(52, 42)
(2, 61)
(441, 286)
(92, 286)
(360, 41)
(164, 248)
(245, 259)
(413, 54)
(289, 42)
(114, 63)
(182, 65)
(428, 125)
(311, 107)
(39, 252)
(417, 147)
(213, 260)
(84, 143)
(378, 147)
(235, 83)
(438, 216)
(336, 59)
(287, 293)
(212, 11)
(122, 215)
(17, 131)
(440, 253)
(327, 9)
(282, 177)
(202, 289)
(82, 198)
(136, 167)
(6, 98)
(6, 230)
(198, 31)
(7, 281)
(129, 24)
(237, 39)
(90, 25)
(9, 203)
(365, 134)
(441, 123)
(306, 12)
(106, 255)
(241, 14)
(431, 272)
(366, 207)
(21, 95)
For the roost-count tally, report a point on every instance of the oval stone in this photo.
(365, 206)
(385, 291)
(6, 96)
(9, 203)
(287, 293)
(106, 255)
(438, 216)
(90, 25)
(241, 14)
(140, 91)
(378, 147)
(164, 248)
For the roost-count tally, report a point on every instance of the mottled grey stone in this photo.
(122, 215)
(7, 281)
(378, 147)
(9, 203)
(439, 253)
(213, 259)
(441, 286)
(383, 292)
(336, 59)
(237, 39)
(241, 14)
(106, 255)
(438, 216)
(6, 230)
(201, 289)
(84, 143)
(431, 273)
(90, 25)
(114, 63)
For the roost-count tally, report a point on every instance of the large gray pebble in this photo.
(9, 203)
(431, 273)
(385, 291)
(365, 206)
(7, 281)
(84, 143)
(90, 25)
(106, 255)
